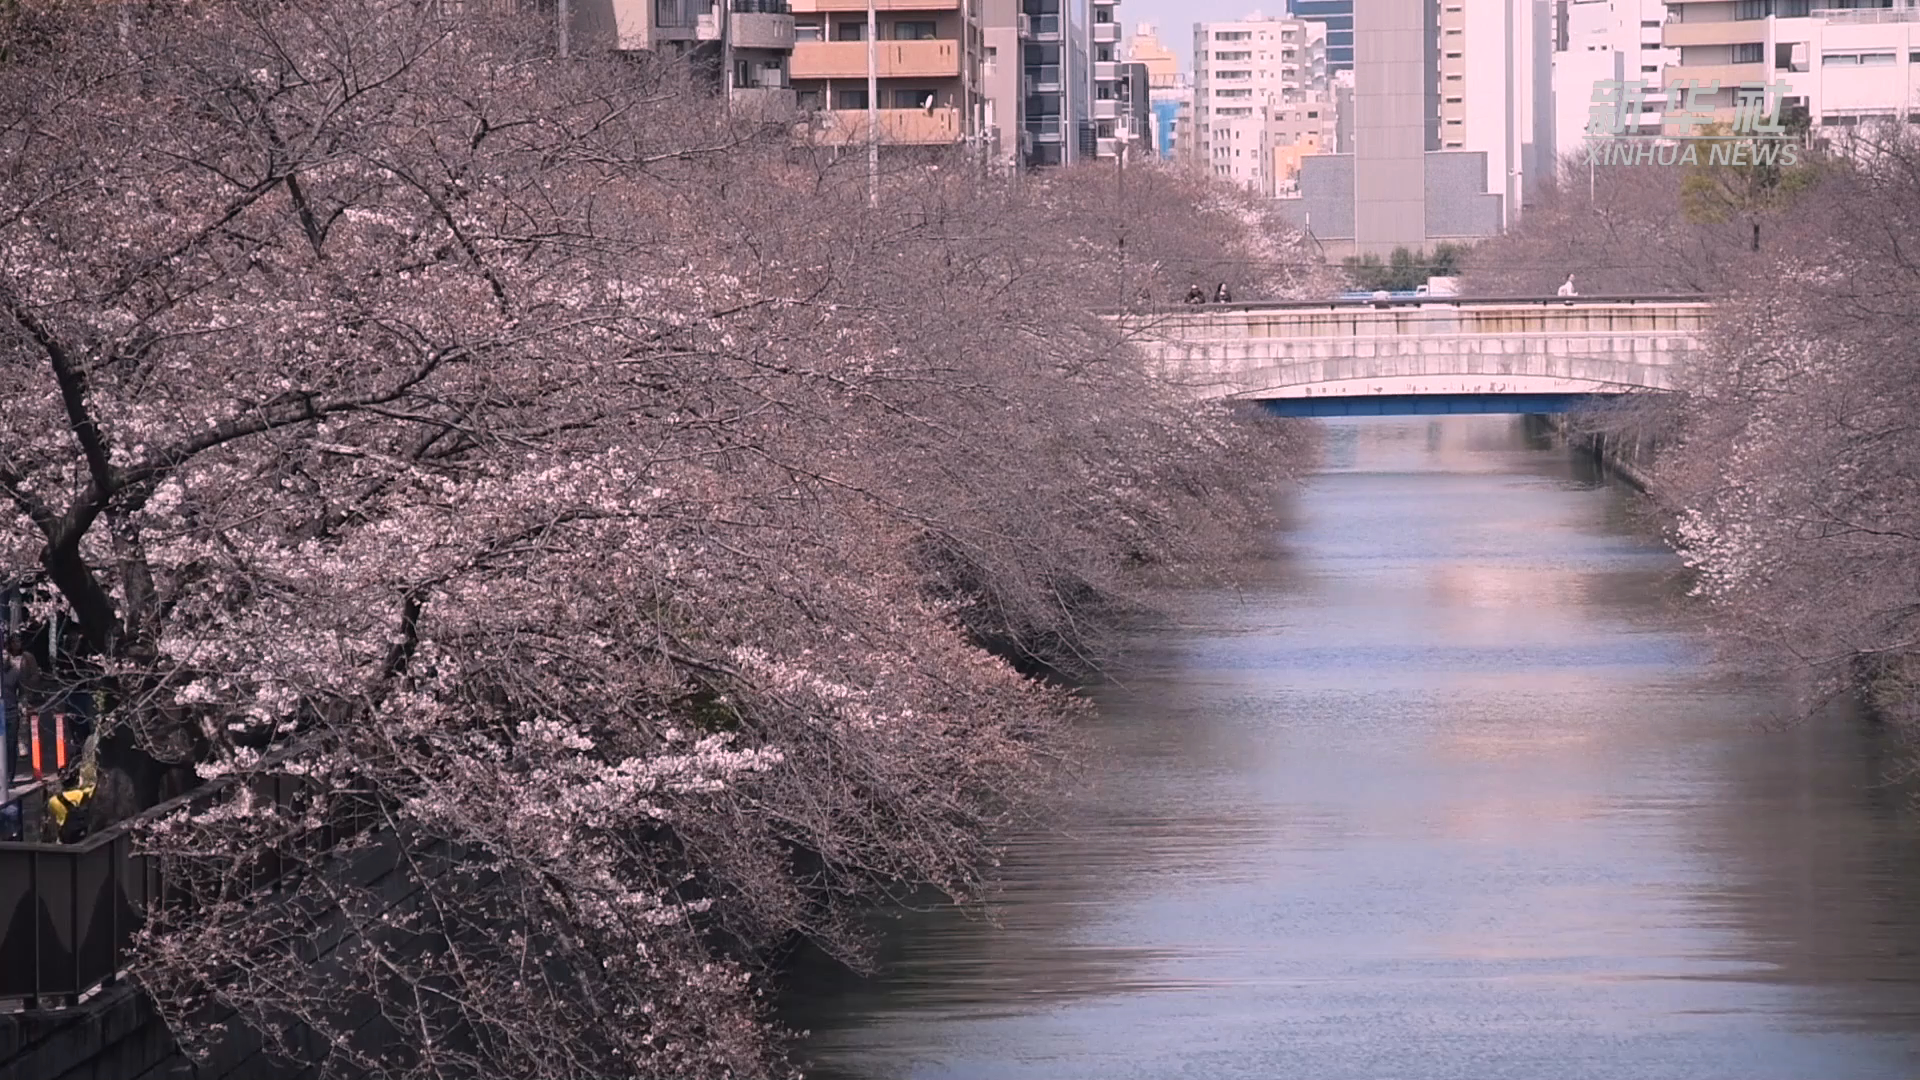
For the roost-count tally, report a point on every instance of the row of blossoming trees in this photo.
(1790, 463)
(654, 539)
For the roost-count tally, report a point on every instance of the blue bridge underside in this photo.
(1431, 404)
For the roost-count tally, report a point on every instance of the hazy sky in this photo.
(1175, 18)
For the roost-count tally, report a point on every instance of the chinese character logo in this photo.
(1616, 106)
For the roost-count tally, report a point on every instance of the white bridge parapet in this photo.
(1598, 345)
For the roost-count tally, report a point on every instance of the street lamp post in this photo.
(873, 105)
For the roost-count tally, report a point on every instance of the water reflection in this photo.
(1450, 793)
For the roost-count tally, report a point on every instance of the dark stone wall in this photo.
(114, 1036)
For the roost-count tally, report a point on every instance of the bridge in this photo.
(1425, 355)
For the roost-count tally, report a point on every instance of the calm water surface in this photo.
(1452, 792)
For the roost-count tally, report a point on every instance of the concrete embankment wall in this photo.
(1631, 461)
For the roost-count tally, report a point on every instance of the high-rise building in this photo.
(1495, 91)
(1058, 85)
(1843, 61)
(1056, 116)
(1337, 17)
(926, 61)
(1391, 105)
(1241, 71)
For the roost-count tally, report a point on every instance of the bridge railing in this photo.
(1507, 317)
(1629, 299)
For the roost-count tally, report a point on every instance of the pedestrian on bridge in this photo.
(1196, 294)
(1221, 295)
(1566, 287)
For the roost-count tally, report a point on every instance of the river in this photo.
(1449, 790)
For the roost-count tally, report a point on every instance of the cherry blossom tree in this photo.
(629, 542)
(1793, 473)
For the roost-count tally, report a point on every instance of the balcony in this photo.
(1675, 35)
(1106, 70)
(1727, 75)
(761, 29)
(1107, 109)
(770, 102)
(810, 7)
(896, 59)
(1044, 131)
(1106, 33)
(898, 127)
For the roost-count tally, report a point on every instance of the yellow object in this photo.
(66, 802)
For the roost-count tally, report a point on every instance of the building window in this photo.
(765, 75)
(808, 31)
(1233, 35)
(854, 98)
(1873, 59)
(1233, 56)
(850, 31)
(1752, 52)
(916, 30)
(912, 99)
(1786, 9)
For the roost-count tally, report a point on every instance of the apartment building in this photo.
(1242, 71)
(745, 44)
(1844, 61)
(926, 56)
(1294, 131)
(1119, 114)
(1601, 41)
(1002, 79)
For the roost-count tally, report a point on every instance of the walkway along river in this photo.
(1452, 793)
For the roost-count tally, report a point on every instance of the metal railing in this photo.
(761, 7)
(69, 913)
(1850, 16)
(1396, 301)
